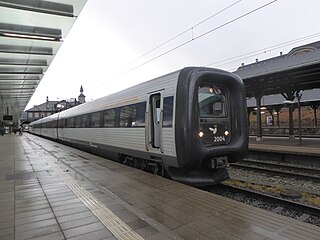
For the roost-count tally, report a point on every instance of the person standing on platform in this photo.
(20, 131)
(1, 130)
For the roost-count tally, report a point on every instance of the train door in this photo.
(155, 116)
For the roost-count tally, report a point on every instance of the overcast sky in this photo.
(101, 50)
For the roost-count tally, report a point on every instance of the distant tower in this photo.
(81, 98)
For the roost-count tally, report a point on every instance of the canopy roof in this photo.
(297, 70)
(31, 33)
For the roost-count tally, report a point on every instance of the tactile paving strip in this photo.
(111, 221)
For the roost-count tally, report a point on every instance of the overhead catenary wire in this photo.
(191, 40)
(262, 50)
(171, 39)
(202, 35)
(235, 19)
(185, 31)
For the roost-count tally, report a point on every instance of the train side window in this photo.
(61, 123)
(95, 120)
(140, 114)
(86, 121)
(78, 121)
(109, 118)
(167, 111)
(117, 117)
(70, 123)
(158, 111)
(128, 116)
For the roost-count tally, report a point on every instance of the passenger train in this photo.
(187, 125)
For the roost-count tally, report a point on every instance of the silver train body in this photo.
(187, 125)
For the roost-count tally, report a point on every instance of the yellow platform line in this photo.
(111, 221)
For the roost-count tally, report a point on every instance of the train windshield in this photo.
(212, 101)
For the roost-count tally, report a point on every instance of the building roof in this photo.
(31, 33)
(314, 45)
(297, 57)
(44, 107)
(297, 70)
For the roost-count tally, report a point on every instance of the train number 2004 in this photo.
(219, 139)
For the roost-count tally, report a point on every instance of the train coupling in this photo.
(219, 162)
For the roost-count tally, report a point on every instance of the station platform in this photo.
(51, 191)
(308, 146)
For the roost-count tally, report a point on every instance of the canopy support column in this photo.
(290, 96)
(258, 96)
(315, 107)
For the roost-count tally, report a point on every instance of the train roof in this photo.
(128, 96)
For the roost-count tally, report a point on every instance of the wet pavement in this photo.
(51, 191)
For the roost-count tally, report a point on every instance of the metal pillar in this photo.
(259, 126)
(277, 109)
(291, 132)
(290, 96)
(315, 117)
(299, 95)
(315, 107)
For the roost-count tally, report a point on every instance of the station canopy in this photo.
(31, 33)
(297, 70)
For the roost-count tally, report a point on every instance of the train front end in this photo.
(210, 125)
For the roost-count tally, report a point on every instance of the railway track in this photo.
(300, 172)
(270, 202)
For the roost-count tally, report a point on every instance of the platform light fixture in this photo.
(46, 7)
(18, 35)
(261, 108)
(30, 32)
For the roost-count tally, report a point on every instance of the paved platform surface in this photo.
(308, 146)
(51, 191)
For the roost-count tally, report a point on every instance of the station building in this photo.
(50, 107)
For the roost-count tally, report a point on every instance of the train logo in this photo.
(214, 130)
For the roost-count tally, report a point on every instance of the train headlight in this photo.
(201, 134)
(226, 133)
